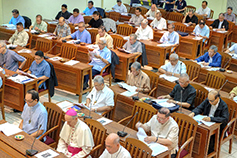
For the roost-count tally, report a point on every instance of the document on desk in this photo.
(9, 129)
(209, 89)
(93, 46)
(104, 121)
(11, 45)
(71, 62)
(169, 78)
(55, 58)
(213, 69)
(47, 154)
(52, 22)
(127, 87)
(73, 41)
(128, 93)
(24, 51)
(199, 118)
(44, 35)
(164, 45)
(150, 18)
(164, 103)
(203, 66)
(64, 105)
(126, 37)
(197, 38)
(20, 79)
(235, 99)
(155, 147)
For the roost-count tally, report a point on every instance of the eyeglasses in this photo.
(27, 101)
(161, 119)
(38, 58)
(211, 100)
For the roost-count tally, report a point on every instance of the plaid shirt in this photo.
(63, 31)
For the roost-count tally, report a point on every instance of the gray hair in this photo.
(222, 15)
(103, 40)
(3, 43)
(213, 47)
(174, 56)
(159, 13)
(191, 11)
(184, 75)
(145, 21)
(134, 36)
(164, 111)
(173, 26)
(99, 79)
(136, 65)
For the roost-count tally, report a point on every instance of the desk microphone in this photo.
(137, 97)
(122, 133)
(223, 69)
(32, 152)
(89, 117)
(222, 86)
(181, 98)
(45, 56)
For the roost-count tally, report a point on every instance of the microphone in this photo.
(137, 97)
(122, 133)
(180, 68)
(45, 56)
(222, 86)
(89, 117)
(223, 69)
(32, 152)
(181, 98)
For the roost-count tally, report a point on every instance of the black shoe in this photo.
(14, 110)
(154, 70)
(85, 86)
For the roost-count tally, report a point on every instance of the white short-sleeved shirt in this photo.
(170, 38)
(175, 69)
(233, 48)
(160, 25)
(202, 11)
(144, 34)
(121, 153)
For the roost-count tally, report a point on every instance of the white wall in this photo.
(1, 12)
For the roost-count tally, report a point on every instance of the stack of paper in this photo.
(20, 79)
(197, 38)
(93, 46)
(199, 118)
(131, 90)
(52, 22)
(209, 89)
(11, 45)
(64, 105)
(126, 14)
(55, 58)
(9, 129)
(235, 99)
(150, 18)
(73, 41)
(169, 78)
(43, 35)
(24, 51)
(155, 147)
(164, 45)
(163, 103)
(9, 26)
(71, 62)
(126, 37)
(213, 69)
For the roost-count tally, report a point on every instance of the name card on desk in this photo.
(47, 154)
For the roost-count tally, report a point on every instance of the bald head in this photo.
(153, 7)
(61, 21)
(213, 97)
(112, 143)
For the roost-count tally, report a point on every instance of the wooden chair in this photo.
(200, 17)
(175, 16)
(124, 29)
(214, 79)
(110, 113)
(68, 51)
(43, 44)
(107, 73)
(2, 90)
(29, 60)
(137, 148)
(176, 48)
(87, 19)
(144, 10)
(201, 94)
(193, 69)
(164, 13)
(229, 37)
(154, 79)
(132, 10)
(179, 27)
(207, 43)
(145, 113)
(48, 26)
(99, 134)
(128, 7)
(230, 127)
(187, 131)
(189, 7)
(93, 33)
(225, 62)
(55, 114)
(117, 41)
(211, 14)
(72, 28)
(115, 16)
(29, 40)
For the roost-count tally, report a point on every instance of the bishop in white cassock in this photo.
(76, 139)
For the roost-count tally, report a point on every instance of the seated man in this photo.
(95, 22)
(190, 18)
(16, 18)
(229, 15)
(152, 12)
(76, 139)
(108, 38)
(137, 18)
(164, 130)
(34, 115)
(76, 18)
(215, 110)
(180, 5)
(139, 78)
(113, 148)
(174, 67)
(90, 9)
(144, 32)
(20, 37)
(204, 10)
(233, 93)
(159, 22)
(233, 49)
(120, 7)
(169, 5)
(133, 45)
(220, 24)
(101, 98)
(99, 59)
(39, 25)
(63, 13)
(40, 68)
(81, 34)
(188, 93)
(9, 59)
(62, 29)
(210, 58)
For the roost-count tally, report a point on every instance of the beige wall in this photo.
(1, 12)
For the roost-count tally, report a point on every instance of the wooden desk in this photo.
(8, 152)
(19, 147)
(218, 39)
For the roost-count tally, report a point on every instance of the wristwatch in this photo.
(19, 69)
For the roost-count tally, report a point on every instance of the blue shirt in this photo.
(10, 60)
(169, 6)
(205, 31)
(33, 117)
(84, 36)
(233, 48)
(216, 59)
(89, 12)
(14, 21)
(39, 70)
(98, 64)
(181, 5)
(170, 38)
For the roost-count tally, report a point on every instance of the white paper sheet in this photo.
(209, 89)
(164, 45)
(127, 87)
(197, 38)
(93, 46)
(24, 51)
(9, 26)
(150, 18)
(199, 118)
(47, 154)
(164, 103)
(169, 78)
(213, 69)
(71, 62)
(20, 79)
(126, 37)
(128, 93)
(73, 41)
(55, 58)
(9, 129)
(64, 105)
(43, 35)
(104, 121)
(11, 45)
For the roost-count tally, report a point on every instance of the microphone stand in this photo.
(45, 56)
(137, 97)
(32, 152)
(223, 69)
(181, 98)
(89, 117)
